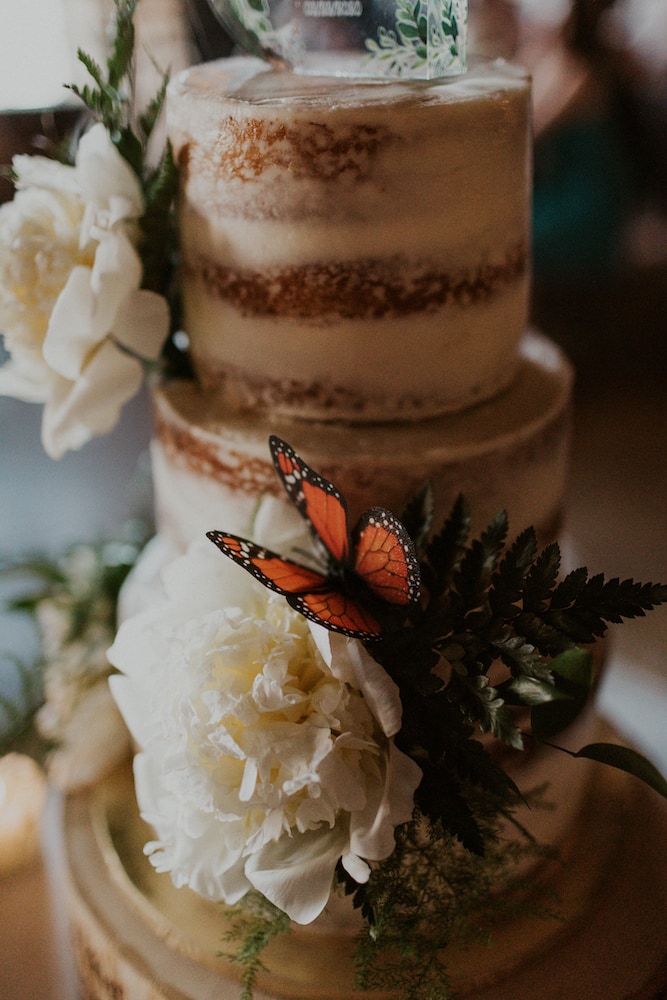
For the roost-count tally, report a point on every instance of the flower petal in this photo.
(73, 331)
(372, 831)
(278, 525)
(116, 273)
(103, 174)
(350, 661)
(206, 863)
(123, 694)
(77, 411)
(204, 579)
(296, 873)
(22, 379)
(40, 171)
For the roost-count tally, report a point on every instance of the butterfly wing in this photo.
(306, 590)
(337, 612)
(317, 500)
(275, 572)
(385, 557)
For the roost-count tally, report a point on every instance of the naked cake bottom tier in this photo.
(136, 936)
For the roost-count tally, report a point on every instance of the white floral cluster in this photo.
(79, 715)
(266, 741)
(75, 320)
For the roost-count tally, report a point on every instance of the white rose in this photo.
(266, 741)
(71, 306)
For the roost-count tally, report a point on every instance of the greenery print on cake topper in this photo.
(423, 39)
(428, 40)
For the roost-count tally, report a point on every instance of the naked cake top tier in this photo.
(353, 248)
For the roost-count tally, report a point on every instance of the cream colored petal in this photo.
(357, 868)
(349, 660)
(116, 274)
(206, 863)
(22, 380)
(39, 171)
(372, 831)
(103, 173)
(73, 329)
(296, 873)
(91, 405)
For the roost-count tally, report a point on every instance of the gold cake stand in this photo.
(138, 937)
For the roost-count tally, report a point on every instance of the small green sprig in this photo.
(255, 922)
(430, 894)
(18, 733)
(111, 100)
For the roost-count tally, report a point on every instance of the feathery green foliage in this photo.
(255, 922)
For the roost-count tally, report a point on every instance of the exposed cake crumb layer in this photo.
(210, 464)
(352, 249)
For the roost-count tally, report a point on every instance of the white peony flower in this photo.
(74, 318)
(266, 741)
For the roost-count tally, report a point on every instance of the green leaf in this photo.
(575, 666)
(628, 760)
(255, 922)
(152, 112)
(574, 677)
(520, 656)
(446, 548)
(473, 578)
(508, 582)
(119, 64)
(569, 589)
(156, 224)
(530, 691)
(409, 30)
(130, 148)
(417, 518)
(93, 68)
(541, 579)
(581, 607)
(481, 704)
(548, 639)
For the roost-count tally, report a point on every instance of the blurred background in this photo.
(600, 290)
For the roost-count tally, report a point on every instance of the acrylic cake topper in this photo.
(423, 39)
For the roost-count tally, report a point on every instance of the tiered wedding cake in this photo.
(355, 270)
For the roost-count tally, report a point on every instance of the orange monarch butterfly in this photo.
(376, 563)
